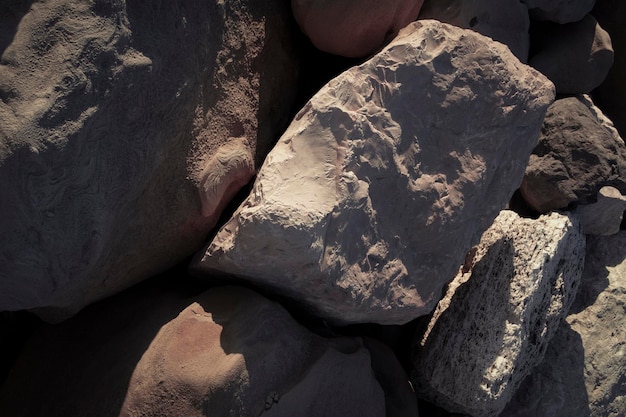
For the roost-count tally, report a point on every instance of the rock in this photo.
(494, 324)
(576, 57)
(610, 94)
(368, 203)
(579, 152)
(603, 217)
(124, 131)
(228, 351)
(583, 371)
(504, 21)
(353, 28)
(559, 11)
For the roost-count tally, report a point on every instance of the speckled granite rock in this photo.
(499, 314)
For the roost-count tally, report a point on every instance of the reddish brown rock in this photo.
(353, 28)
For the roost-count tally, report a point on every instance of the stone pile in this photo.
(348, 252)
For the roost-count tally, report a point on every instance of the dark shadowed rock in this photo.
(494, 324)
(583, 372)
(159, 351)
(605, 216)
(125, 128)
(579, 152)
(505, 21)
(368, 203)
(353, 28)
(576, 57)
(559, 11)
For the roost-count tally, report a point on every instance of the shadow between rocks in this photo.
(83, 366)
(11, 13)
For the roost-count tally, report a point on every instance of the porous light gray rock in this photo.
(579, 152)
(157, 351)
(559, 11)
(125, 128)
(369, 201)
(583, 372)
(505, 21)
(494, 324)
(353, 28)
(576, 57)
(603, 217)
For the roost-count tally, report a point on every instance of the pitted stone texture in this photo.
(579, 152)
(505, 21)
(604, 217)
(583, 372)
(368, 203)
(125, 128)
(559, 11)
(499, 314)
(576, 57)
(353, 28)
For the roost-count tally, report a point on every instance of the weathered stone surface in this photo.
(603, 217)
(576, 57)
(227, 352)
(583, 372)
(494, 324)
(504, 21)
(124, 130)
(368, 203)
(559, 11)
(353, 28)
(579, 152)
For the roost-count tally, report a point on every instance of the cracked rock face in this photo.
(499, 314)
(124, 131)
(371, 198)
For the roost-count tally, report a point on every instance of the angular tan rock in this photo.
(368, 203)
(583, 372)
(353, 28)
(576, 57)
(124, 131)
(499, 314)
(504, 21)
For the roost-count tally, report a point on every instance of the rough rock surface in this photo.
(124, 130)
(584, 371)
(368, 203)
(579, 152)
(505, 21)
(494, 324)
(559, 11)
(353, 28)
(576, 57)
(227, 352)
(603, 217)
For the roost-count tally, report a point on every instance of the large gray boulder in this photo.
(157, 351)
(366, 206)
(505, 21)
(582, 374)
(494, 324)
(125, 128)
(578, 153)
(576, 57)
